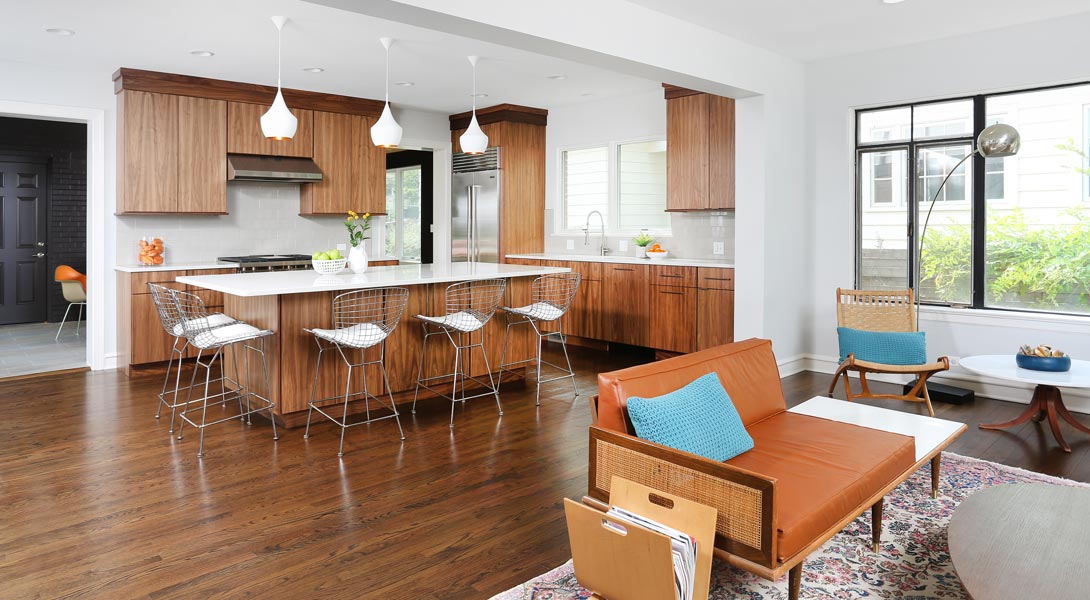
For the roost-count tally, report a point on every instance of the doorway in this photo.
(43, 226)
(409, 205)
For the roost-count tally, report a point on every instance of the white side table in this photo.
(1047, 401)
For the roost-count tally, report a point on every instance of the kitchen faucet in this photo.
(602, 249)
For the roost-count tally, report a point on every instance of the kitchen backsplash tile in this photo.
(693, 237)
(262, 219)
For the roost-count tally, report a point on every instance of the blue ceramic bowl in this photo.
(1055, 364)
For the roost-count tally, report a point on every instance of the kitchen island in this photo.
(289, 301)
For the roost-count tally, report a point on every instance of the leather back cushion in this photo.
(746, 369)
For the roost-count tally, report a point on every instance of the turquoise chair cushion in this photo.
(885, 347)
(698, 418)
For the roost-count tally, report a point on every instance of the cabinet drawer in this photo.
(716, 279)
(673, 276)
(140, 281)
(673, 327)
(589, 270)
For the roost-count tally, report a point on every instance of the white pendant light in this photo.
(474, 141)
(278, 123)
(386, 133)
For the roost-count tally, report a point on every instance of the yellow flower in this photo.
(353, 214)
(367, 216)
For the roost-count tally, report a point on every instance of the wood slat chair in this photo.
(881, 310)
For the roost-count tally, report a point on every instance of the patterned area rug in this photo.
(914, 562)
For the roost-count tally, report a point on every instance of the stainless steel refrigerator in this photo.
(475, 207)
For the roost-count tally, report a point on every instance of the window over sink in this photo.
(625, 181)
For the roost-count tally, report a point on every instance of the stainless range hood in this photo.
(279, 169)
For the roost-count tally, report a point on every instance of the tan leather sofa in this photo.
(804, 480)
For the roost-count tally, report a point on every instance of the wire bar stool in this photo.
(469, 307)
(211, 343)
(171, 320)
(550, 298)
(361, 320)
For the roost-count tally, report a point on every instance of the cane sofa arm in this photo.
(745, 526)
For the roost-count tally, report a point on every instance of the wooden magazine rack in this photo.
(621, 561)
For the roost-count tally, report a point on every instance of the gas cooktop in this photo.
(268, 262)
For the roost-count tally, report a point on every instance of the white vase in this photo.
(357, 259)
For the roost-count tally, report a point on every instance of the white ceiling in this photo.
(159, 34)
(815, 29)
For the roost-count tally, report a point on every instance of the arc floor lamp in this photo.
(996, 141)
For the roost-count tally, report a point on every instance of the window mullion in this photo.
(978, 215)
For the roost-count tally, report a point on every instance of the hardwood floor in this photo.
(99, 502)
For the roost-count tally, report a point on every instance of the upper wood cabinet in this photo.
(171, 154)
(353, 168)
(244, 132)
(699, 151)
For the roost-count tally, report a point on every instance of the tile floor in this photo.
(30, 348)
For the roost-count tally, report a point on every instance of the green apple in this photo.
(316, 256)
(334, 254)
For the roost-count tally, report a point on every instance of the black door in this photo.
(24, 201)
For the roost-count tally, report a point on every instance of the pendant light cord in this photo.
(279, 46)
(387, 74)
(474, 88)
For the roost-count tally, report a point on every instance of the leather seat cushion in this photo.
(747, 370)
(824, 469)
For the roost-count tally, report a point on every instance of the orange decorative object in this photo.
(151, 251)
(66, 273)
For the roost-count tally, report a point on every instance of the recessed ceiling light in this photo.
(405, 83)
(892, 1)
(557, 77)
(478, 95)
(62, 32)
(313, 69)
(203, 53)
(585, 94)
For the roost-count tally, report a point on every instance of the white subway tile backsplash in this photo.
(693, 234)
(262, 218)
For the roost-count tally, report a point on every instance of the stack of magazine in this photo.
(682, 544)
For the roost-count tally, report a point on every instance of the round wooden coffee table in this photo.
(1023, 541)
(1047, 401)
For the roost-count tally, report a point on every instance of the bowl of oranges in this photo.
(656, 251)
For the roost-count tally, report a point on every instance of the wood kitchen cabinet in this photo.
(171, 154)
(714, 307)
(700, 151)
(353, 169)
(244, 134)
(624, 304)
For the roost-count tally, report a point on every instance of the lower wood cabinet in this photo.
(673, 318)
(714, 318)
(625, 315)
(584, 318)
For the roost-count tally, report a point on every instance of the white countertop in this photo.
(302, 282)
(631, 260)
(182, 266)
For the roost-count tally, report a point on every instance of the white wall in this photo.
(1037, 54)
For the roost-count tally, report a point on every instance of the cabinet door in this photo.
(150, 343)
(584, 318)
(625, 310)
(673, 321)
(147, 152)
(244, 132)
(715, 318)
(369, 170)
(202, 155)
(687, 153)
(720, 153)
(334, 137)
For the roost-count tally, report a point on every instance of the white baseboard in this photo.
(109, 361)
(1077, 400)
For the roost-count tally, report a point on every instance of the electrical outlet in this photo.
(570, 244)
(955, 361)
(718, 248)
(342, 247)
(623, 245)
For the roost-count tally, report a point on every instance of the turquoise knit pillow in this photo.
(885, 347)
(698, 418)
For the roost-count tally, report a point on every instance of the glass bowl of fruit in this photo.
(1042, 358)
(151, 251)
(329, 262)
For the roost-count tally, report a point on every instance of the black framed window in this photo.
(1005, 233)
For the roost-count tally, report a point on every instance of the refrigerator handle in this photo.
(474, 249)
